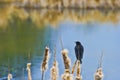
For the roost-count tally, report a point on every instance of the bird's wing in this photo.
(82, 51)
(76, 52)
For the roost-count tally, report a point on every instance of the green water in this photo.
(16, 41)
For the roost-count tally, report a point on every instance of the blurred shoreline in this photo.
(54, 16)
(80, 4)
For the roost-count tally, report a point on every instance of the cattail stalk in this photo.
(9, 75)
(78, 75)
(100, 61)
(98, 74)
(54, 69)
(45, 61)
(61, 43)
(29, 71)
(23, 74)
(42, 75)
(73, 69)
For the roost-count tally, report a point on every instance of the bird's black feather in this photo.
(79, 51)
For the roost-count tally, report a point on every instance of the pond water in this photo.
(26, 32)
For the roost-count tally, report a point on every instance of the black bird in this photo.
(79, 51)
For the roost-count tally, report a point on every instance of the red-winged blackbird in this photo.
(79, 51)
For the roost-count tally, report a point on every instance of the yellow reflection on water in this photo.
(5, 15)
(43, 17)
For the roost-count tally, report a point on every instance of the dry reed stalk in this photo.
(9, 76)
(98, 74)
(54, 71)
(67, 75)
(66, 59)
(45, 61)
(29, 71)
(78, 75)
(73, 69)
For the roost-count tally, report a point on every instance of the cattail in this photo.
(66, 58)
(78, 75)
(45, 61)
(73, 69)
(9, 76)
(54, 71)
(29, 71)
(98, 74)
(67, 75)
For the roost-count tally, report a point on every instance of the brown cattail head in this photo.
(45, 59)
(54, 71)
(67, 75)
(66, 59)
(98, 74)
